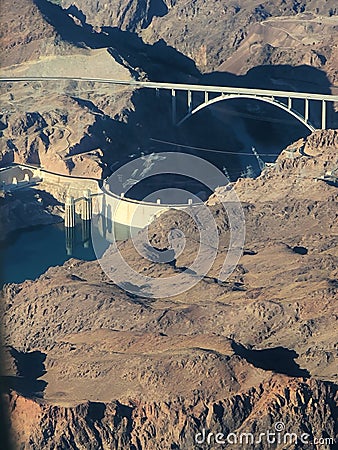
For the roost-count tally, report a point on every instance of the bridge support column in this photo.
(289, 103)
(86, 209)
(323, 115)
(306, 110)
(206, 96)
(189, 101)
(173, 106)
(70, 212)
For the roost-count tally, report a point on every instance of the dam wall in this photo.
(20, 176)
(108, 207)
(118, 217)
(131, 212)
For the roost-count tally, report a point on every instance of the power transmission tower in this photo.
(226, 173)
(261, 163)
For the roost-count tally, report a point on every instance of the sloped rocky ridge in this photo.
(209, 32)
(161, 425)
(128, 372)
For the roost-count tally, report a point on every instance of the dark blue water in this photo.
(28, 253)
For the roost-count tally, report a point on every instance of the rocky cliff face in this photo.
(130, 16)
(22, 43)
(61, 126)
(210, 32)
(97, 367)
(306, 39)
(50, 137)
(231, 26)
(26, 209)
(175, 424)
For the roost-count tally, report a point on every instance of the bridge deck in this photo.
(184, 87)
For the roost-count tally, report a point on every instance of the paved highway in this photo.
(184, 87)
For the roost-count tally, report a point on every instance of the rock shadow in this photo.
(30, 366)
(96, 411)
(300, 250)
(278, 360)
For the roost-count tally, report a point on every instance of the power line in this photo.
(211, 150)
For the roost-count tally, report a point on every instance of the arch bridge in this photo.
(199, 97)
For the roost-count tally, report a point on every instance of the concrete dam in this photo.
(106, 202)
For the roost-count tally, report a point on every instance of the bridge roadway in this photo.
(184, 87)
(225, 93)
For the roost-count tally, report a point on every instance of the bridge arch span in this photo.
(272, 101)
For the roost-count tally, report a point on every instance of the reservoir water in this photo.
(28, 253)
